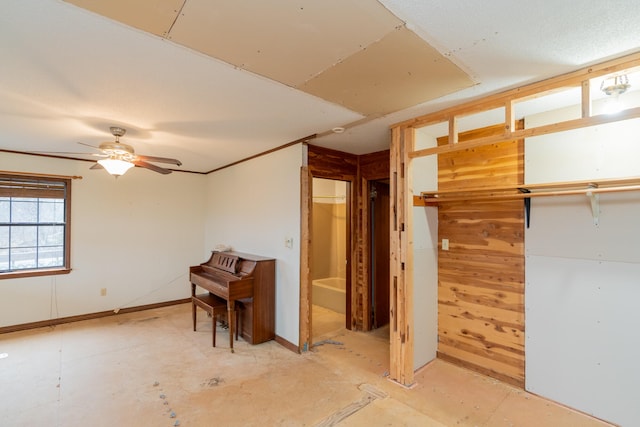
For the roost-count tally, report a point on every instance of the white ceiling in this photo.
(68, 73)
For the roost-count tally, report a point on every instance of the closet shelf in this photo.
(527, 191)
(591, 189)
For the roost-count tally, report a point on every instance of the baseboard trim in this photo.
(89, 316)
(287, 344)
(517, 382)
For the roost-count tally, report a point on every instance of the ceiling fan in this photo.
(119, 157)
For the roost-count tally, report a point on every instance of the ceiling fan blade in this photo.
(66, 153)
(160, 160)
(97, 166)
(150, 166)
(89, 145)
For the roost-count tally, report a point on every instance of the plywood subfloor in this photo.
(150, 368)
(326, 323)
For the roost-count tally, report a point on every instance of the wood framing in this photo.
(371, 167)
(361, 292)
(527, 133)
(401, 259)
(533, 90)
(504, 301)
(580, 79)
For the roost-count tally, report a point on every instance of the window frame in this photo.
(39, 186)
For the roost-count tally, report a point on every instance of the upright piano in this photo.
(249, 279)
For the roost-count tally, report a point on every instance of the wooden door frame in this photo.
(306, 180)
(357, 171)
(306, 254)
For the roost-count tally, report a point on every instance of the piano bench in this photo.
(213, 305)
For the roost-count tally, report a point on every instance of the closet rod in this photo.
(433, 200)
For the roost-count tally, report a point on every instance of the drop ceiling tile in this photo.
(399, 71)
(290, 42)
(154, 16)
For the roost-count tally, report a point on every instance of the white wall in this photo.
(582, 279)
(253, 207)
(329, 191)
(425, 256)
(135, 236)
(329, 213)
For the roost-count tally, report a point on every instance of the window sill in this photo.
(34, 273)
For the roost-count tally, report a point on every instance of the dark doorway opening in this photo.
(379, 256)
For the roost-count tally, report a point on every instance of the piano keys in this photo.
(246, 282)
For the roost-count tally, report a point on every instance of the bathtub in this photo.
(330, 293)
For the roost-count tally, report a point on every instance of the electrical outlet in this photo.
(103, 292)
(445, 244)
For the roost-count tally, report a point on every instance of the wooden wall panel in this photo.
(332, 164)
(374, 166)
(487, 166)
(481, 276)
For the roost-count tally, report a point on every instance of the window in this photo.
(34, 225)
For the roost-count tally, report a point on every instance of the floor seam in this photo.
(485, 422)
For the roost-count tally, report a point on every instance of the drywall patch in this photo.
(289, 42)
(154, 16)
(399, 71)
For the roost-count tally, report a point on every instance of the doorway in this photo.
(379, 252)
(329, 248)
(357, 172)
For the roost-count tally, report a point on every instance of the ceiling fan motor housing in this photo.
(117, 150)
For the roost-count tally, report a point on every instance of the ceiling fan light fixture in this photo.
(115, 167)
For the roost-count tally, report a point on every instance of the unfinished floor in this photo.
(150, 369)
